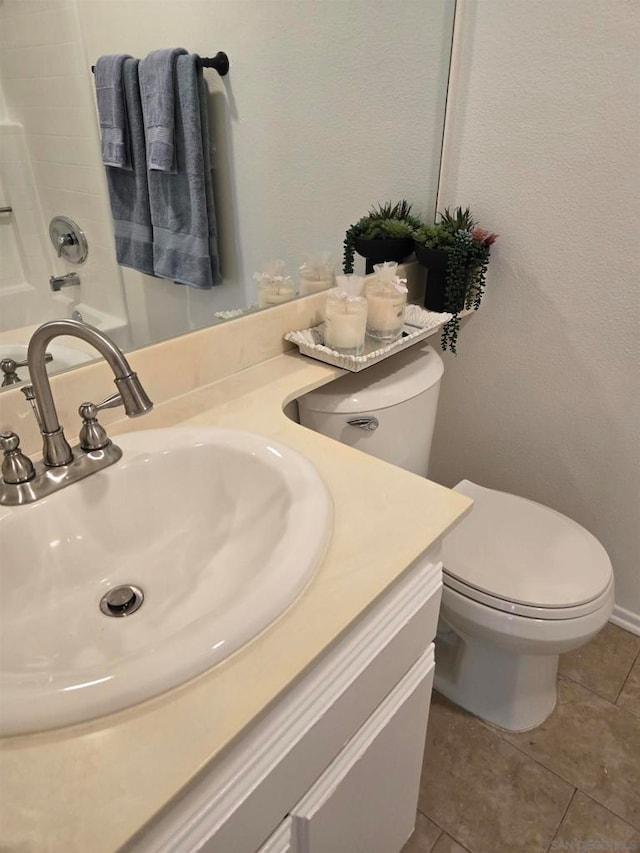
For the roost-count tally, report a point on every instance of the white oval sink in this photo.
(220, 529)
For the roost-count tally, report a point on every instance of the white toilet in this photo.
(522, 583)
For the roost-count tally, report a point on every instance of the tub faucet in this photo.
(69, 279)
(61, 465)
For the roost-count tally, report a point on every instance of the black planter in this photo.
(435, 261)
(378, 251)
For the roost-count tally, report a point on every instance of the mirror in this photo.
(330, 107)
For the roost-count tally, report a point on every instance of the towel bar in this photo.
(6, 209)
(220, 62)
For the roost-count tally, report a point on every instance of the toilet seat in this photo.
(520, 557)
(516, 609)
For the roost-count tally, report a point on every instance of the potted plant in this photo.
(455, 252)
(384, 234)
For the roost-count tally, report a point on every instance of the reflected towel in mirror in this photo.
(182, 208)
(111, 110)
(129, 190)
(157, 87)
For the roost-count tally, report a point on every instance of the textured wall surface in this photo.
(543, 398)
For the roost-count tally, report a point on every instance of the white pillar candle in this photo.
(385, 306)
(345, 324)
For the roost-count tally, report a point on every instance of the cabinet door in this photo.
(366, 801)
(280, 841)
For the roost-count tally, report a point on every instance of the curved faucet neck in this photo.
(38, 344)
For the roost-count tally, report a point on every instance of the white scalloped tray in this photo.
(419, 324)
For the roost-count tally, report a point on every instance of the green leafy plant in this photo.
(468, 249)
(384, 222)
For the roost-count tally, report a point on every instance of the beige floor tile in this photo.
(629, 698)
(484, 792)
(592, 744)
(604, 663)
(425, 836)
(446, 844)
(589, 826)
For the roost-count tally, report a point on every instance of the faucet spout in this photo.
(56, 449)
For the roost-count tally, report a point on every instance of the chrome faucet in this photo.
(69, 279)
(61, 465)
(56, 450)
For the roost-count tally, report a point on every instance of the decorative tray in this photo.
(419, 324)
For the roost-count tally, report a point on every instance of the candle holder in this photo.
(346, 317)
(275, 292)
(386, 298)
(274, 285)
(316, 274)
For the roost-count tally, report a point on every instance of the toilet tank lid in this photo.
(387, 383)
(523, 552)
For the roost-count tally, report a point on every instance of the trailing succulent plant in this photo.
(441, 234)
(468, 247)
(384, 222)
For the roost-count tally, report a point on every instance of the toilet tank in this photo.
(387, 410)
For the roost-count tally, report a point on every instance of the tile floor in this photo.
(573, 784)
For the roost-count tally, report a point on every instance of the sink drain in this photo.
(121, 600)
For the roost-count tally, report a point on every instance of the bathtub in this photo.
(22, 305)
(23, 309)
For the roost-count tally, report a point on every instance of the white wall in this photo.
(544, 396)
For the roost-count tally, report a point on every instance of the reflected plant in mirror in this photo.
(297, 144)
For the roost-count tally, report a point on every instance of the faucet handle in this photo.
(88, 411)
(93, 435)
(64, 240)
(9, 366)
(16, 467)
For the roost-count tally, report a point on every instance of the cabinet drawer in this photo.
(366, 801)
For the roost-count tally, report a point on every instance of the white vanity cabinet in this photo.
(366, 800)
(334, 766)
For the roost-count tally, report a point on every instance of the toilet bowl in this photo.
(522, 583)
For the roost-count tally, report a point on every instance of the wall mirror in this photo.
(330, 106)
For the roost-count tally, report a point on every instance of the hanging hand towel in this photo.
(111, 111)
(157, 86)
(129, 190)
(184, 226)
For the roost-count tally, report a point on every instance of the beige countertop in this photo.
(90, 787)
